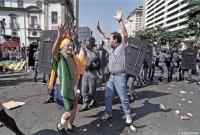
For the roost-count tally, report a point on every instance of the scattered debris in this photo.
(177, 112)
(12, 104)
(21, 103)
(162, 107)
(190, 114)
(98, 125)
(190, 102)
(110, 125)
(182, 92)
(133, 128)
(185, 117)
(43, 84)
(85, 130)
(12, 86)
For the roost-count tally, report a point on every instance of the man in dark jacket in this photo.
(89, 78)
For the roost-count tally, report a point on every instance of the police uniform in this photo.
(162, 65)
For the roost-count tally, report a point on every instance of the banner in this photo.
(13, 65)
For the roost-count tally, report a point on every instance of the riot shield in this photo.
(135, 54)
(47, 40)
(189, 57)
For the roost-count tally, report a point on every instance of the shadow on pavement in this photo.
(139, 95)
(14, 82)
(46, 132)
(116, 125)
(113, 126)
(13, 75)
(150, 94)
(148, 108)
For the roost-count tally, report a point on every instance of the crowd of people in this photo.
(75, 74)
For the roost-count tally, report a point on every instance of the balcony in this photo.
(34, 26)
(14, 26)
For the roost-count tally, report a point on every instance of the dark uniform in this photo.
(89, 77)
(175, 65)
(153, 66)
(162, 57)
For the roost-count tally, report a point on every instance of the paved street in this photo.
(151, 118)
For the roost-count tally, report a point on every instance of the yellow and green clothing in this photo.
(67, 69)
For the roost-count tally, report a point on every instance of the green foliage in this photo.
(194, 19)
(160, 36)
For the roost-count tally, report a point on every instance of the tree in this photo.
(174, 38)
(194, 19)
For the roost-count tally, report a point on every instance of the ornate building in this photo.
(27, 18)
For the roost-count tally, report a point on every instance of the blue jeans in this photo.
(117, 82)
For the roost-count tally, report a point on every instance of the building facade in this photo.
(84, 32)
(165, 13)
(27, 18)
(134, 21)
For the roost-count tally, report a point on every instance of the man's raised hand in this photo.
(62, 30)
(99, 28)
(119, 14)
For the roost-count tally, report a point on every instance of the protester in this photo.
(31, 62)
(89, 77)
(8, 121)
(66, 67)
(115, 46)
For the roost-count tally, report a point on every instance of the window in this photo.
(159, 15)
(2, 3)
(173, 26)
(54, 17)
(172, 14)
(172, 8)
(20, 3)
(159, 20)
(172, 20)
(183, 23)
(34, 21)
(13, 21)
(172, 2)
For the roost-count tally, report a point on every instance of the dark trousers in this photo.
(88, 88)
(151, 72)
(36, 72)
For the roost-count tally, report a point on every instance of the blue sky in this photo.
(90, 11)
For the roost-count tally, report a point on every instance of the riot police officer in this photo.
(162, 57)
